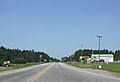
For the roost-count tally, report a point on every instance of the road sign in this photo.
(86, 57)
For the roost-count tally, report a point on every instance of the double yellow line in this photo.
(39, 74)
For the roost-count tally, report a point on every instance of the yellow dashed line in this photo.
(39, 74)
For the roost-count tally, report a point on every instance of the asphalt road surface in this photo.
(54, 72)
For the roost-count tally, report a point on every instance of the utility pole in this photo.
(81, 48)
(99, 37)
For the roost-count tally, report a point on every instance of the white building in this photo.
(105, 57)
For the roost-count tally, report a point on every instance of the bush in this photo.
(19, 61)
(1, 63)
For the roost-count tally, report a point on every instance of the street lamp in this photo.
(99, 37)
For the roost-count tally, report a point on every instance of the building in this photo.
(105, 57)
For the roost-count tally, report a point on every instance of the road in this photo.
(54, 72)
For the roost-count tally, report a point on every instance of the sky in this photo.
(59, 27)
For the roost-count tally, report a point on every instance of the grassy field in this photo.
(112, 67)
(15, 66)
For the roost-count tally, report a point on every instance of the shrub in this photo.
(19, 61)
(1, 63)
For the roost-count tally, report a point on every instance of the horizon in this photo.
(55, 57)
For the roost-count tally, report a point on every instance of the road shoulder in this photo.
(96, 71)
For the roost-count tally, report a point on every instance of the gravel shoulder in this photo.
(103, 72)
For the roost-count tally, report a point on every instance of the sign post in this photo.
(40, 59)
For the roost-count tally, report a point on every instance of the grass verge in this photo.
(15, 66)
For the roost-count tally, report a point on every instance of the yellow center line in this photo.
(39, 74)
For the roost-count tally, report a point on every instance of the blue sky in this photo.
(59, 27)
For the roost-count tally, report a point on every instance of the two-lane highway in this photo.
(60, 72)
(55, 72)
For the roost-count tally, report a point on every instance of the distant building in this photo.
(105, 57)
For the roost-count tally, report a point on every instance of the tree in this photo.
(27, 56)
(19, 61)
(117, 55)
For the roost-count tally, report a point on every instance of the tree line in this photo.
(22, 56)
(89, 52)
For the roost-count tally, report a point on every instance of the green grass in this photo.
(15, 66)
(6, 68)
(112, 67)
